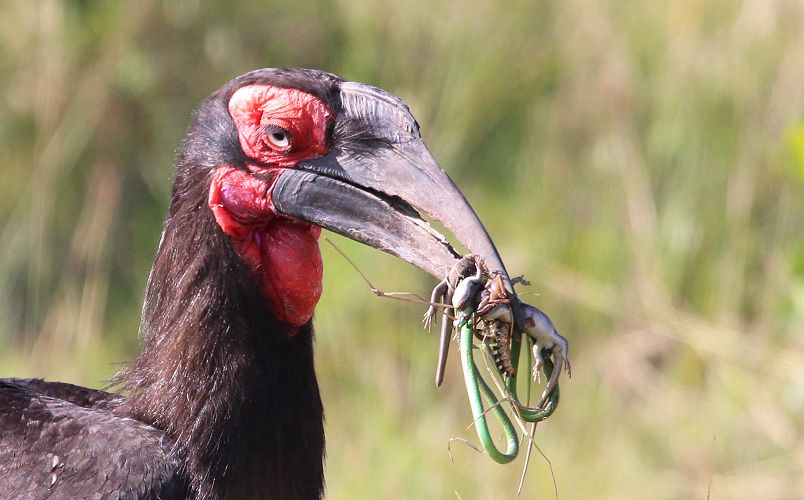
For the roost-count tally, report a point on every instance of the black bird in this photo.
(223, 400)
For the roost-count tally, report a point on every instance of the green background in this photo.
(641, 162)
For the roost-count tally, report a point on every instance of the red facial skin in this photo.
(282, 253)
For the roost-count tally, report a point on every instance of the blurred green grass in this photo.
(641, 162)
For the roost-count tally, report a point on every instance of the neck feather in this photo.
(217, 373)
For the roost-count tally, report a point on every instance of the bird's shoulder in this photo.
(75, 394)
(62, 441)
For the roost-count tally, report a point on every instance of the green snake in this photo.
(477, 386)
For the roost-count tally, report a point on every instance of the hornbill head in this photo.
(290, 151)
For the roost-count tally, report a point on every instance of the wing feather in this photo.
(70, 447)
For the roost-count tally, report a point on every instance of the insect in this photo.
(495, 311)
(471, 289)
(483, 294)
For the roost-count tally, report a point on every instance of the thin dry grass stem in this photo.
(532, 434)
(528, 435)
(507, 397)
(483, 414)
(410, 297)
(464, 441)
(528, 452)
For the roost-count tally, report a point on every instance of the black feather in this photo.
(52, 448)
(222, 401)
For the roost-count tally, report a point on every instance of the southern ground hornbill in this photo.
(223, 401)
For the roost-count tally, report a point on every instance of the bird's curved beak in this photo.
(376, 180)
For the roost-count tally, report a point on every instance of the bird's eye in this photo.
(278, 137)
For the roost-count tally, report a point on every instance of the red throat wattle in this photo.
(282, 253)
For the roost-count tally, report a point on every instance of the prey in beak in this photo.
(300, 150)
(319, 152)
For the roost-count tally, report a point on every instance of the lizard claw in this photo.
(537, 366)
(440, 291)
(427, 319)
